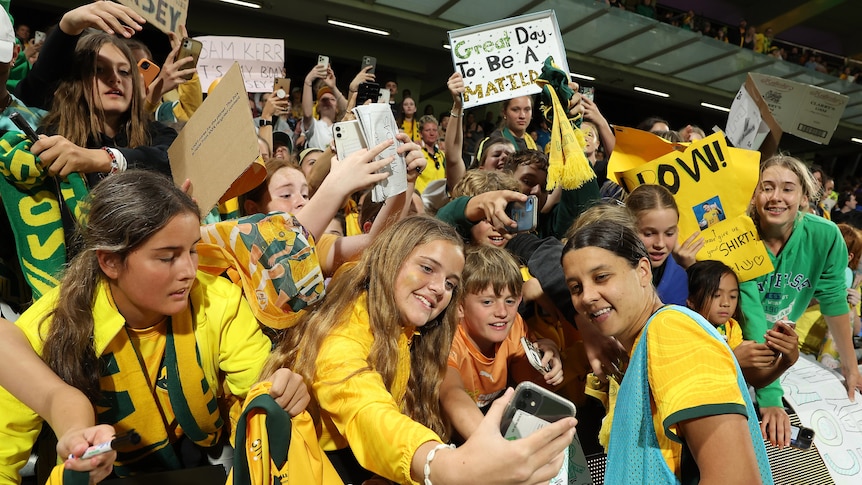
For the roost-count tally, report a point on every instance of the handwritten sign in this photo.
(260, 60)
(501, 60)
(217, 149)
(820, 401)
(704, 180)
(735, 243)
(165, 15)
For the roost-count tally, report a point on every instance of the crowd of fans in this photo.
(387, 332)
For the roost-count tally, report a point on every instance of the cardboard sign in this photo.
(712, 185)
(501, 60)
(703, 179)
(747, 127)
(260, 60)
(217, 150)
(735, 243)
(165, 15)
(802, 110)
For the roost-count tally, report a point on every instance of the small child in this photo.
(486, 352)
(713, 291)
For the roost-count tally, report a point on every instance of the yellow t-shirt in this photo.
(356, 409)
(684, 384)
(732, 333)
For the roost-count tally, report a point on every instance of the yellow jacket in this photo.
(224, 326)
(357, 410)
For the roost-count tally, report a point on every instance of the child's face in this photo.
(778, 197)
(156, 277)
(658, 230)
(484, 234)
(487, 317)
(288, 191)
(723, 303)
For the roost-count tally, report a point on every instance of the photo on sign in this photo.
(709, 212)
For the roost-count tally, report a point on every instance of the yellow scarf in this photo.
(128, 400)
(567, 164)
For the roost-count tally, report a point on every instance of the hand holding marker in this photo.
(129, 438)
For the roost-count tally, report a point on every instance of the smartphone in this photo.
(367, 91)
(588, 92)
(348, 138)
(384, 96)
(39, 37)
(25, 127)
(369, 61)
(149, 70)
(323, 61)
(526, 214)
(190, 47)
(534, 356)
(281, 87)
(532, 408)
(801, 437)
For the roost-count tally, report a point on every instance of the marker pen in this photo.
(131, 437)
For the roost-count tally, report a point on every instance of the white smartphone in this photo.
(323, 61)
(384, 96)
(534, 356)
(348, 138)
(39, 37)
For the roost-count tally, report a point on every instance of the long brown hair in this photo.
(75, 112)
(375, 274)
(126, 209)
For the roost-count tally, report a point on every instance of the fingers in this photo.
(186, 186)
(775, 426)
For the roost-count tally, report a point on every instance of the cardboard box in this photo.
(806, 111)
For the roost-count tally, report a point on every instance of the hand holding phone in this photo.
(525, 214)
(189, 48)
(534, 356)
(323, 61)
(532, 408)
(369, 61)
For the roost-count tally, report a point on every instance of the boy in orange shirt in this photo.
(486, 352)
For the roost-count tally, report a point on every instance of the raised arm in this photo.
(316, 72)
(454, 144)
(347, 176)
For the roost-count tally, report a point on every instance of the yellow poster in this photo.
(707, 179)
(735, 243)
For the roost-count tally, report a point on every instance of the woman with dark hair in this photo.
(679, 415)
(153, 344)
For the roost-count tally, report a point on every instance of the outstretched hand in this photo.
(75, 442)
(110, 17)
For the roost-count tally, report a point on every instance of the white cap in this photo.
(7, 37)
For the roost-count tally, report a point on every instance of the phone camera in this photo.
(807, 434)
(145, 65)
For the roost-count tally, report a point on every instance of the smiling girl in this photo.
(809, 256)
(676, 410)
(657, 218)
(375, 354)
